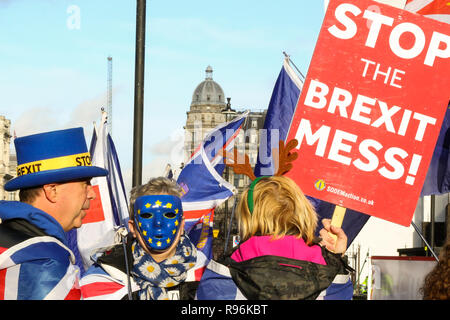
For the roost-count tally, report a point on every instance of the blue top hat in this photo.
(56, 156)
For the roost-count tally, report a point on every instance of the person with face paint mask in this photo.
(158, 253)
(157, 219)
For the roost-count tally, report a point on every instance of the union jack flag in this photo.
(438, 176)
(109, 210)
(20, 264)
(97, 284)
(205, 189)
(435, 9)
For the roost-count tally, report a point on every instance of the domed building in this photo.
(208, 93)
(207, 111)
(210, 108)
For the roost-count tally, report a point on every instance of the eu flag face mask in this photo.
(158, 219)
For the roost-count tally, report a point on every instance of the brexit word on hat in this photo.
(49, 157)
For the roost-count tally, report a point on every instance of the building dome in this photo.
(208, 92)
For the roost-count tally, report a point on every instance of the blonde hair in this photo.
(280, 208)
(159, 185)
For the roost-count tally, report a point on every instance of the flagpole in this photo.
(139, 92)
(424, 240)
(287, 56)
(230, 225)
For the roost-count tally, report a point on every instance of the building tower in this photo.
(205, 113)
(208, 109)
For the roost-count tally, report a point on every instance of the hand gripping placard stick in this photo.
(337, 218)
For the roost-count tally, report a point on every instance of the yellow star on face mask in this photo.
(161, 221)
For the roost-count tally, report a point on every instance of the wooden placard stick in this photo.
(337, 218)
(276, 159)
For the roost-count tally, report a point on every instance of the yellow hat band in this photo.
(73, 160)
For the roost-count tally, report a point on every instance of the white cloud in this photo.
(86, 112)
(46, 118)
(35, 120)
(154, 168)
(170, 148)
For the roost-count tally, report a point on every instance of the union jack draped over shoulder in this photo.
(37, 268)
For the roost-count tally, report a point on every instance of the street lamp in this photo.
(229, 113)
(139, 92)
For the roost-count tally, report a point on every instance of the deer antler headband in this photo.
(284, 161)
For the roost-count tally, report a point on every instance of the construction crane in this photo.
(109, 95)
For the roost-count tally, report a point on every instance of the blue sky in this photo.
(54, 62)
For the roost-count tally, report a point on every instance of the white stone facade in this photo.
(8, 161)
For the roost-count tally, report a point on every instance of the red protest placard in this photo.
(371, 108)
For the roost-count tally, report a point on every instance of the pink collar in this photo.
(288, 247)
